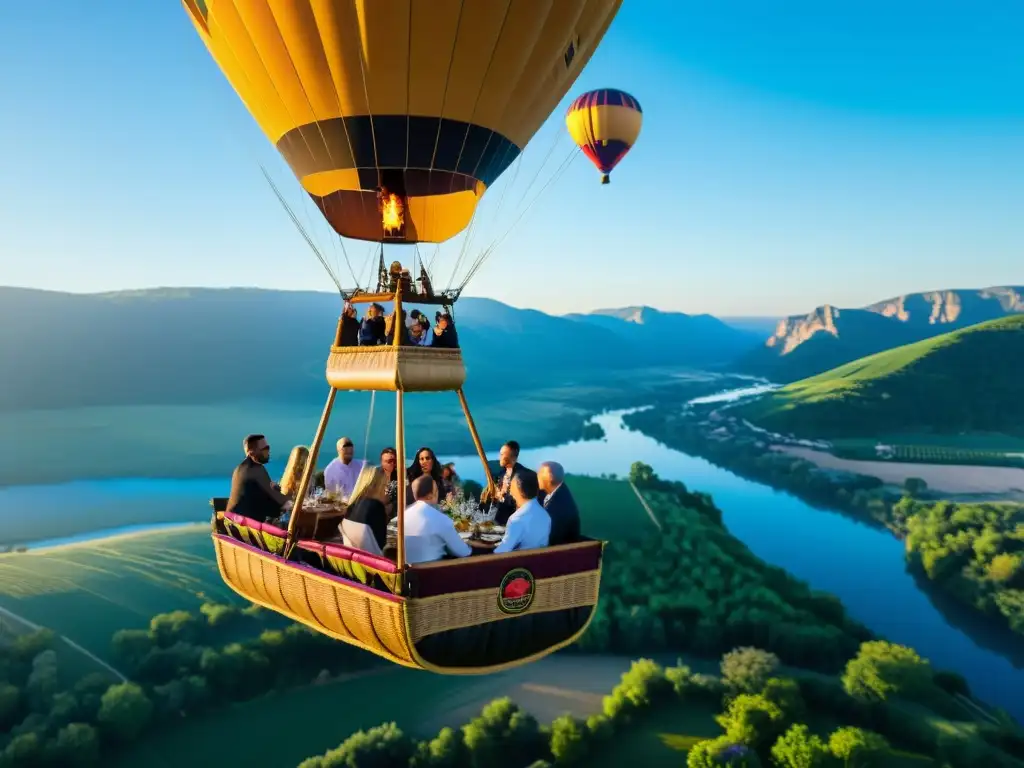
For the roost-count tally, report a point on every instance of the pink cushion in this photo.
(273, 530)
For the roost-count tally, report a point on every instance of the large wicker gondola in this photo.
(473, 615)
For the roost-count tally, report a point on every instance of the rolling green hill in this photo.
(829, 336)
(970, 380)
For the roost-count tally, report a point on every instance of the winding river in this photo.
(862, 565)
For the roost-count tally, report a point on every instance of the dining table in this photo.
(482, 538)
(324, 517)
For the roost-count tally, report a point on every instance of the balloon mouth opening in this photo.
(604, 178)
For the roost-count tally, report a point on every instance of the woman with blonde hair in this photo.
(365, 525)
(293, 470)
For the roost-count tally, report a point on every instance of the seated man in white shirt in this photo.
(429, 533)
(529, 527)
(341, 474)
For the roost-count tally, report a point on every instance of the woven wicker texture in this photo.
(416, 369)
(430, 615)
(345, 612)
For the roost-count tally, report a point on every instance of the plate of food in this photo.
(491, 538)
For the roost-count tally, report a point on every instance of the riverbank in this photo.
(946, 478)
(174, 441)
(863, 565)
(968, 577)
(187, 661)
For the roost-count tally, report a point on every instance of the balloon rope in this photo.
(574, 153)
(302, 231)
(529, 188)
(369, 423)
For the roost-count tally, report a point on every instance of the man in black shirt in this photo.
(508, 459)
(561, 506)
(253, 495)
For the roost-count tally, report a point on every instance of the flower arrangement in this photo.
(458, 507)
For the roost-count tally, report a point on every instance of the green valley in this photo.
(742, 660)
(967, 381)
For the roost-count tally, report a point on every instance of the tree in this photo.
(643, 684)
(746, 670)
(952, 682)
(131, 645)
(10, 705)
(447, 750)
(799, 748)
(43, 682)
(751, 720)
(77, 744)
(24, 749)
(641, 474)
(218, 614)
(784, 693)
(384, 746)
(882, 669)
(721, 752)
(503, 736)
(858, 748)
(31, 644)
(568, 740)
(959, 751)
(125, 710)
(914, 486)
(64, 709)
(169, 628)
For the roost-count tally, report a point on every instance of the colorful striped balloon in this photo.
(605, 125)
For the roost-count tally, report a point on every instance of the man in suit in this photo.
(508, 459)
(558, 501)
(253, 494)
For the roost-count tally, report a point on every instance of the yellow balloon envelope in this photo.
(396, 115)
(605, 124)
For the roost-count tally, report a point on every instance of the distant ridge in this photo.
(804, 345)
(203, 345)
(969, 380)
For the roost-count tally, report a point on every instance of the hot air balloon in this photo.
(605, 125)
(397, 115)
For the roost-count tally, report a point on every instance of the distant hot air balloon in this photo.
(605, 125)
(397, 115)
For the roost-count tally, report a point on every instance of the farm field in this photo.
(923, 449)
(89, 591)
(609, 509)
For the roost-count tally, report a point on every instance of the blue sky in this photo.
(793, 153)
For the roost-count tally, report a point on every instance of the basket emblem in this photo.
(515, 594)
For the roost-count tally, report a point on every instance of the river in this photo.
(863, 566)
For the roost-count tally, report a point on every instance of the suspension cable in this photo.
(302, 231)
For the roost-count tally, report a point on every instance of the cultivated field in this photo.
(949, 478)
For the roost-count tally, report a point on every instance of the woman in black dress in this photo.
(365, 525)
